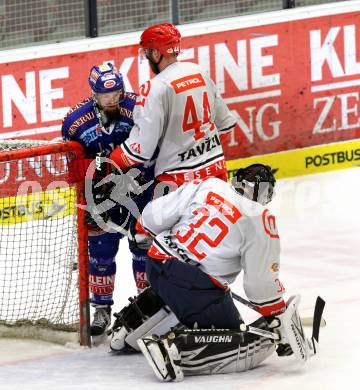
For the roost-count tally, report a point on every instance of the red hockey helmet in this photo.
(164, 37)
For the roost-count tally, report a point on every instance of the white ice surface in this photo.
(318, 218)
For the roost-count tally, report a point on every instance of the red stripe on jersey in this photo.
(272, 310)
(155, 253)
(139, 228)
(217, 283)
(188, 82)
(227, 209)
(217, 169)
(122, 159)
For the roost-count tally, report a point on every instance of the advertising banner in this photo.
(291, 84)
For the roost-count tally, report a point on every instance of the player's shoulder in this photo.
(190, 66)
(130, 97)
(181, 76)
(79, 110)
(215, 182)
(79, 114)
(129, 101)
(206, 185)
(153, 89)
(185, 69)
(251, 209)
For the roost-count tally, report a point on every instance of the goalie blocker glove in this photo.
(292, 336)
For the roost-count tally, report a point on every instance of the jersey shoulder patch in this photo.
(126, 107)
(79, 115)
(130, 95)
(78, 106)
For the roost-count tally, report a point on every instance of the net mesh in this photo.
(38, 239)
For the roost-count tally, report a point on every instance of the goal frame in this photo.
(82, 236)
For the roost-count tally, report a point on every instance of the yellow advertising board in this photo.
(297, 162)
(47, 205)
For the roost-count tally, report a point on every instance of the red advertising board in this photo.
(290, 84)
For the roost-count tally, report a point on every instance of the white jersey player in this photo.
(205, 233)
(207, 224)
(178, 115)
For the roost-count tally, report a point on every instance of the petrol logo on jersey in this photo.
(188, 82)
(223, 206)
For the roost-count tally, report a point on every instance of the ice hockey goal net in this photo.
(43, 243)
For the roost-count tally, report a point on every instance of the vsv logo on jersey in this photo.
(269, 224)
(188, 82)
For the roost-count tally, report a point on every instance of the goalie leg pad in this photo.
(221, 351)
(163, 357)
(146, 314)
(204, 352)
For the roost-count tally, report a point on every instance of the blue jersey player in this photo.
(101, 123)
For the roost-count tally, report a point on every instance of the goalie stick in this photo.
(306, 321)
(259, 332)
(318, 311)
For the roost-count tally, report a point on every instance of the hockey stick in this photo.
(259, 332)
(306, 321)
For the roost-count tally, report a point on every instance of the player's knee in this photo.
(101, 266)
(146, 314)
(104, 245)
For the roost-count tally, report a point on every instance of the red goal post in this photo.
(43, 242)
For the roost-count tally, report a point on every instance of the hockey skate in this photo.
(102, 320)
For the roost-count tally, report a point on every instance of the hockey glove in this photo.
(274, 325)
(95, 215)
(292, 336)
(139, 237)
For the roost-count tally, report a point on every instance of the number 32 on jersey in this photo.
(197, 231)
